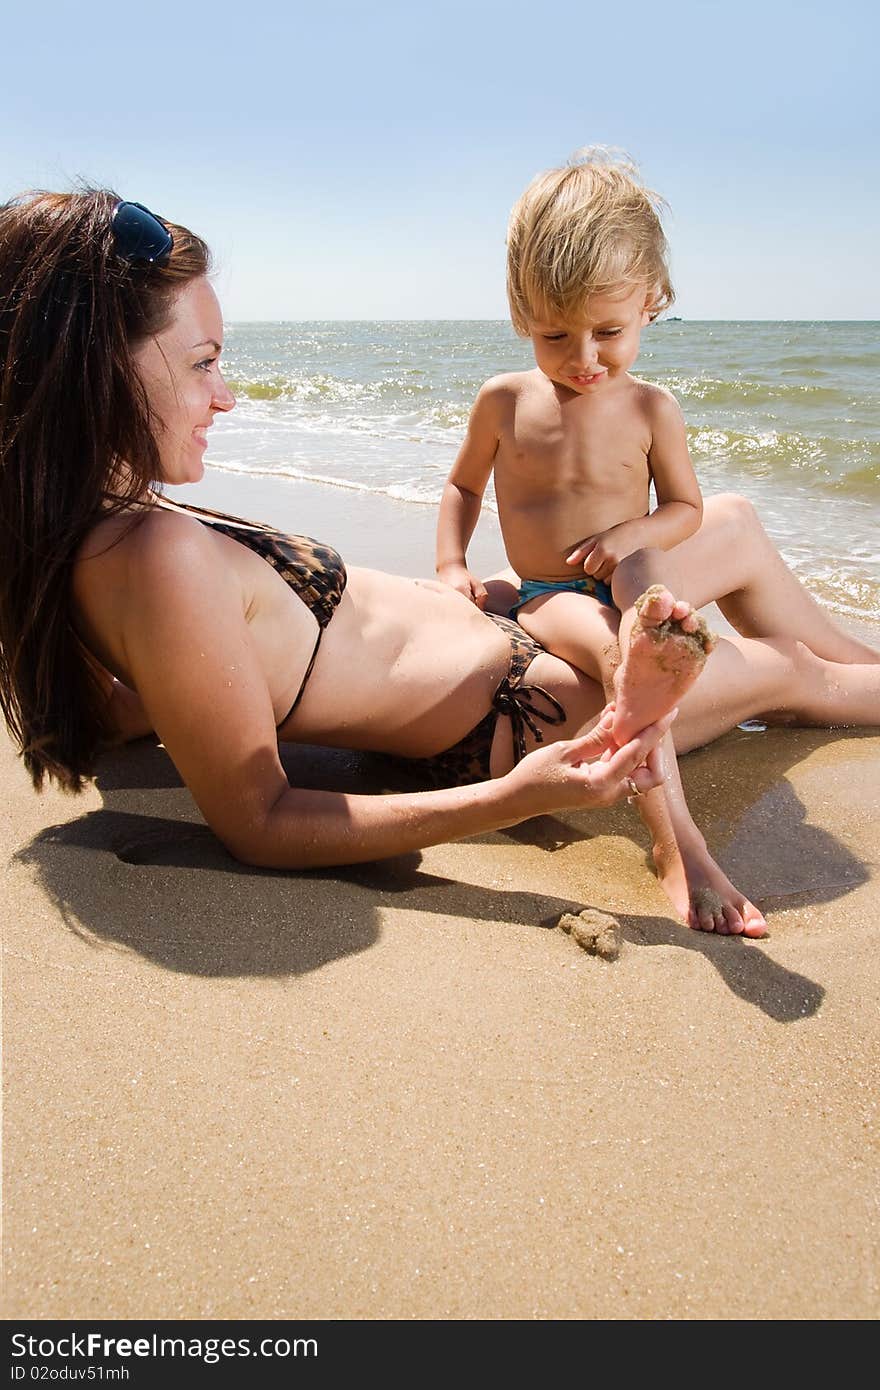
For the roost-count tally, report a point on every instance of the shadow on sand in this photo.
(146, 874)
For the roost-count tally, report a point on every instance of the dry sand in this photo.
(400, 1092)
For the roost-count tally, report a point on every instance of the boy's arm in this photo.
(463, 493)
(679, 509)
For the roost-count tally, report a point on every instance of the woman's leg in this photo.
(779, 679)
(732, 561)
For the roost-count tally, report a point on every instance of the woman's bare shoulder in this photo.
(132, 570)
(156, 542)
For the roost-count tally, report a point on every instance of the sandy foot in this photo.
(704, 896)
(667, 650)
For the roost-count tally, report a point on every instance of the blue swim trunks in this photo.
(584, 584)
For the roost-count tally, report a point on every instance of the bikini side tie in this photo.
(519, 706)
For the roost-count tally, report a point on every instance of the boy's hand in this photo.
(459, 577)
(600, 555)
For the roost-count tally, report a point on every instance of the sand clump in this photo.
(597, 933)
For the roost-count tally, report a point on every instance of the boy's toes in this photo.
(655, 606)
(707, 911)
(701, 919)
(754, 922)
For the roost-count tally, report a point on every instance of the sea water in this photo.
(787, 414)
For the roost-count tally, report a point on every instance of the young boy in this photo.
(575, 446)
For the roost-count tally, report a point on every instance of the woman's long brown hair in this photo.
(76, 442)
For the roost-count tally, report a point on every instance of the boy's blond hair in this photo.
(589, 228)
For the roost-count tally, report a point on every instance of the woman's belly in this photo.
(404, 666)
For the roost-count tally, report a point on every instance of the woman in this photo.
(235, 637)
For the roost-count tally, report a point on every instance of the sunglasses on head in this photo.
(139, 236)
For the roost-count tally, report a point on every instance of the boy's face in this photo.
(587, 355)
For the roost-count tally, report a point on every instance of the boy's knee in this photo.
(635, 574)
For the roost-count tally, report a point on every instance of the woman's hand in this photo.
(589, 771)
(125, 716)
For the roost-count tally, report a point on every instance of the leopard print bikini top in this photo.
(315, 572)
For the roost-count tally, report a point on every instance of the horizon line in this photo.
(462, 318)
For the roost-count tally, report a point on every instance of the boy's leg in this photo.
(502, 592)
(576, 627)
(694, 882)
(666, 654)
(579, 629)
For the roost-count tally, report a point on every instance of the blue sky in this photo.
(357, 161)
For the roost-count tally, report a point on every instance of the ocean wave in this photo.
(848, 595)
(440, 424)
(426, 492)
(839, 465)
(324, 388)
(805, 362)
(849, 466)
(448, 415)
(298, 475)
(713, 391)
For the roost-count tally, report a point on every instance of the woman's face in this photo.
(180, 369)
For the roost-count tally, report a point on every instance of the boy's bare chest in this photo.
(550, 448)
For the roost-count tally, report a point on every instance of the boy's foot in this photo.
(667, 650)
(703, 895)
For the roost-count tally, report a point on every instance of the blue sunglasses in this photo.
(140, 237)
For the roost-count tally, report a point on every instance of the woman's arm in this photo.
(191, 656)
(310, 829)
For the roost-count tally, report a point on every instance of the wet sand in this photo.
(399, 1091)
